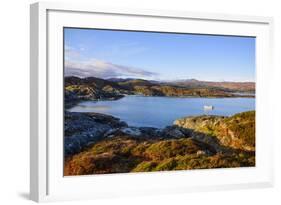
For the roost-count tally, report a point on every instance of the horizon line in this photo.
(167, 80)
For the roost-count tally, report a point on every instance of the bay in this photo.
(159, 112)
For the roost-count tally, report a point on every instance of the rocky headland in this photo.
(91, 88)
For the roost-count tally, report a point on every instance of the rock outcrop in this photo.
(237, 131)
(83, 129)
(97, 143)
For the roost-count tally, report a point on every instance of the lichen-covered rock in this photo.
(172, 132)
(237, 131)
(82, 129)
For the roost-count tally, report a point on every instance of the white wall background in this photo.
(14, 103)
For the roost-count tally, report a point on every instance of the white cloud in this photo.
(71, 53)
(102, 69)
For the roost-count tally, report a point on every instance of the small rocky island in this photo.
(96, 143)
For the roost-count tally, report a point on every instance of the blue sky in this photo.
(158, 56)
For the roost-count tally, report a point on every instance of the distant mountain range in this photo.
(231, 86)
(117, 80)
(194, 83)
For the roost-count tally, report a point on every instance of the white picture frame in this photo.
(46, 178)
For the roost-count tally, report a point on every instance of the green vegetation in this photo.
(242, 126)
(123, 153)
(171, 148)
(237, 131)
(95, 88)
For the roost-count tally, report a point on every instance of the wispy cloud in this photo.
(103, 69)
(71, 53)
(76, 64)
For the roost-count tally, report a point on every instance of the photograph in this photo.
(149, 101)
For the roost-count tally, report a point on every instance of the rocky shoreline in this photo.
(96, 143)
(77, 89)
(84, 129)
(211, 135)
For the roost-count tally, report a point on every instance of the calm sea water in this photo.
(162, 111)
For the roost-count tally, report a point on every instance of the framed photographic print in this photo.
(127, 102)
